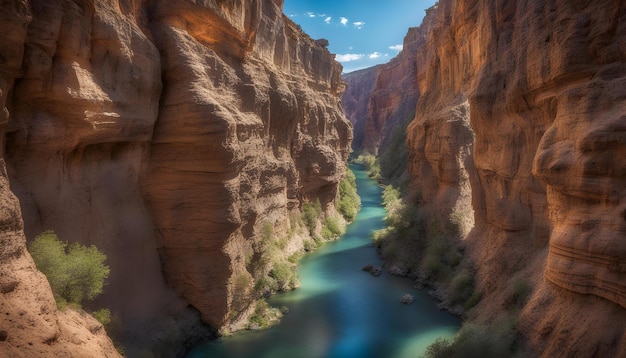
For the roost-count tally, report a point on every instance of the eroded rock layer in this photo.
(519, 136)
(167, 133)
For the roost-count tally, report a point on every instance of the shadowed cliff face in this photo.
(167, 133)
(519, 137)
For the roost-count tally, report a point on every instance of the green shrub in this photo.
(76, 273)
(265, 315)
(372, 167)
(441, 348)
(311, 213)
(103, 316)
(285, 275)
(331, 229)
(349, 202)
(492, 341)
(461, 287)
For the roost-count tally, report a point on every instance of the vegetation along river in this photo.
(341, 311)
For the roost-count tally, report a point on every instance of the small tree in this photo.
(76, 273)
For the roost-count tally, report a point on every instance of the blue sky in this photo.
(362, 33)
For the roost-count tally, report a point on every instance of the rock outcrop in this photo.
(519, 137)
(167, 133)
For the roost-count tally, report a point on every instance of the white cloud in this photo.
(327, 20)
(310, 14)
(374, 55)
(396, 47)
(348, 57)
(343, 21)
(359, 24)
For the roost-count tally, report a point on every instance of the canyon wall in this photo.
(519, 138)
(30, 323)
(167, 133)
(381, 98)
(359, 87)
(521, 120)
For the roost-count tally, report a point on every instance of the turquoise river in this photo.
(341, 311)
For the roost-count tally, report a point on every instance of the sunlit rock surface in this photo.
(167, 133)
(519, 137)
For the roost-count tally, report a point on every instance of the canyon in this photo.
(519, 140)
(166, 133)
(170, 133)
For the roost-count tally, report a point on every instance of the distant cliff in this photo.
(519, 138)
(380, 98)
(168, 133)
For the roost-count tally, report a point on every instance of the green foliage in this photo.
(271, 270)
(284, 273)
(264, 315)
(241, 285)
(349, 201)
(103, 316)
(494, 341)
(331, 229)
(441, 348)
(371, 165)
(76, 273)
(311, 213)
(461, 287)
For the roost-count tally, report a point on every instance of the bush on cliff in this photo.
(311, 212)
(487, 341)
(76, 273)
(349, 202)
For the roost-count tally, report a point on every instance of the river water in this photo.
(341, 311)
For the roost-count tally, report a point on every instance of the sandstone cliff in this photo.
(519, 138)
(359, 87)
(381, 98)
(167, 133)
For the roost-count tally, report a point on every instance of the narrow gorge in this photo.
(186, 139)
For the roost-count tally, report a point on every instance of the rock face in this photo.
(520, 138)
(359, 87)
(380, 98)
(30, 324)
(167, 133)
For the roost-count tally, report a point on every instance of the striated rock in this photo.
(238, 142)
(518, 140)
(167, 133)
